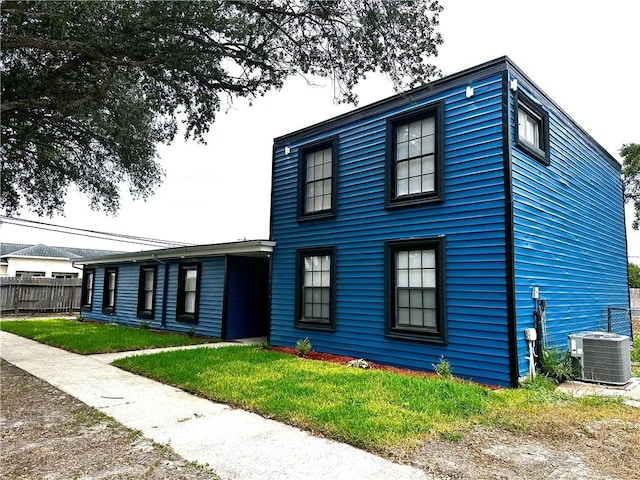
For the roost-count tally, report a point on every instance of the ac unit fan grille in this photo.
(606, 358)
(605, 361)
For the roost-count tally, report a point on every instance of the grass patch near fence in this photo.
(635, 356)
(87, 338)
(371, 409)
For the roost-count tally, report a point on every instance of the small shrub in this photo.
(557, 364)
(443, 367)
(303, 346)
(79, 318)
(359, 363)
(145, 325)
(192, 332)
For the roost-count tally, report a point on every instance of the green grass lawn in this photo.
(85, 338)
(635, 356)
(372, 409)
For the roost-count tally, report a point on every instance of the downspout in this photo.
(165, 290)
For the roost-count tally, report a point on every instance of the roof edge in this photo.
(490, 67)
(245, 247)
(467, 75)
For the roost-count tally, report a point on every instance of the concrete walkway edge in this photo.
(234, 443)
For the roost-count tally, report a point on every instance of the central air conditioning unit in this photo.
(601, 357)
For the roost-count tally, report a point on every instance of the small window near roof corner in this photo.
(414, 157)
(529, 127)
(532, 129)
(317, 180)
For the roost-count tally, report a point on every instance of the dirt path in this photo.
(606, 451)
(46, 434)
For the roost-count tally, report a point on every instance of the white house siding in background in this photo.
(26, 260)
(41, 267)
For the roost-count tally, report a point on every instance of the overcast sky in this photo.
(583, 54)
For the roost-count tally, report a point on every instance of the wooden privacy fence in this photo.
(26, 295)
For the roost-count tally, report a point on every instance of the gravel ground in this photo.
(46, 434)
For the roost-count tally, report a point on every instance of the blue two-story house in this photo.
(435, 222)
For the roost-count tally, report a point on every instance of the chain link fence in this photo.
(620, 320)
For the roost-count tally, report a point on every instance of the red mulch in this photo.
(343, 360)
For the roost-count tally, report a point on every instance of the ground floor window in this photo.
(21, 274)
(109, 291)
(146, 291)
(415, 289)
(87, 288)
(64, 275)
(315, 288)
(188, 293)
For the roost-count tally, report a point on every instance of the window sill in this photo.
(531, 150)
(316, 216)
(416, 337)
(412, 200)
(186, 319)
(327, 327)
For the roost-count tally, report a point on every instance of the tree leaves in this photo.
(90, 88)
(631, 182)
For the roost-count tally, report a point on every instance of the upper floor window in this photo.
(532, 128)
(317, 179)
(316, 287)
(146, 291)
(88, 280)
(188, 293)
(109, 291)
(416, 289)
(415, 157)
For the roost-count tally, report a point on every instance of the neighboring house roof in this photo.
(41, 251)
(246, 247)
(8, 250)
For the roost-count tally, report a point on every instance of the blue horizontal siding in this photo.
(210, 301)
(472, 218)
(212, 278)
(126, 296)
(569, 234)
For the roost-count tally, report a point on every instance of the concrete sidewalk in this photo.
(234, 443)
